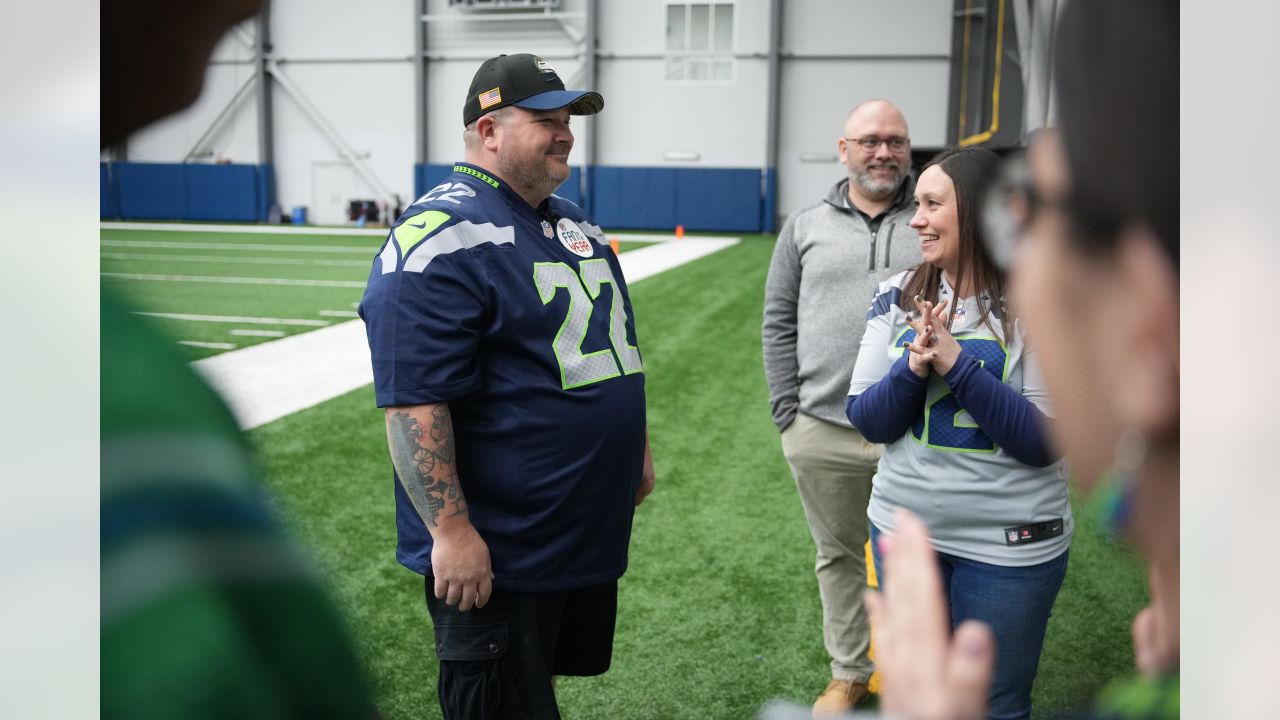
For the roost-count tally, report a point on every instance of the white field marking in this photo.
(273, 379)
(250, 229)
(237, 280)
(176, 245)
(209, 345)
(646, 262)
(250, 332)
(267, 381)
(239, 319)
(640, 237)
(175, 257)
(339, 313)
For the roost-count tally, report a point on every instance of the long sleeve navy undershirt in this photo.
(884, 411)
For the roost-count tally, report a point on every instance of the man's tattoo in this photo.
(425, 462)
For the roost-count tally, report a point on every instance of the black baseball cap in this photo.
(525, 81)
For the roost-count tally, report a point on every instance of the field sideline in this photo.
(719, 610)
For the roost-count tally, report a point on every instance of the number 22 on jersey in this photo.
(576, 367)
(943, 424)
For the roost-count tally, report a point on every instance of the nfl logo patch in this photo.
(1013, 536)
(547, 231)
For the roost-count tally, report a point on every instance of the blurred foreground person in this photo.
(207, 611)
(1092, 231)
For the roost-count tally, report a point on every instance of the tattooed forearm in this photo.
(424, 459)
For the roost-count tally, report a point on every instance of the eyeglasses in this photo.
(871, 143)
(1008, 208)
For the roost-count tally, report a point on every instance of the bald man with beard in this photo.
(827, 263)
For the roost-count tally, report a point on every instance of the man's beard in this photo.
(879, 187)
(533, 176)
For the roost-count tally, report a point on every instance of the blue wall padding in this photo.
(659, 198)
(426, 177)
(266, 190)
(107, 200)
(178, 191)
(769, 210)
(641, 198)
(218, 192)
(713, 199)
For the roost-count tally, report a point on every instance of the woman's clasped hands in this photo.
(934, 347)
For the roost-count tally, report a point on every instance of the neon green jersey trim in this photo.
(413, 230)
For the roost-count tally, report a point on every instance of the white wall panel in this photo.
(171, 138)
(646, 116)
(867, 27)
(817, 97)
(373, 112)
(311, 29)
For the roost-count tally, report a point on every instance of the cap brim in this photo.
(579, 102)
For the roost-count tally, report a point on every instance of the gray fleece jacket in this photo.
(826, 266)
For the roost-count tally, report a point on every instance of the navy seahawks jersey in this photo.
(519, 319)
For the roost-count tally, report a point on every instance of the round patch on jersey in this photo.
(572, 237)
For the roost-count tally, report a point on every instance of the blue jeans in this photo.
(1015, 602)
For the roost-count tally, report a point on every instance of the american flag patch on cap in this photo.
(491, 98)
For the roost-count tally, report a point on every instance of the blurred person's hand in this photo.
(926, 673)
(1151, 652)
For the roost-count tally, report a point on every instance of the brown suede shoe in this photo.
(841, 696)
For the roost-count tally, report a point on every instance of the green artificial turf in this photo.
(719, 610)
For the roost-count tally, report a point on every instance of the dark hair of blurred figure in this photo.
(1116, 73)
(154, 55)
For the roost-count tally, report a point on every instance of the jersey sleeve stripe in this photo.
(884, 302)
(457, 237)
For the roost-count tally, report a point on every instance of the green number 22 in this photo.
(576, 367)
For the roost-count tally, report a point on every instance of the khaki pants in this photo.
(833, 466)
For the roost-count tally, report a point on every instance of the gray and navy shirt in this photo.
(827, 263)
(519, 319)
(965, 451)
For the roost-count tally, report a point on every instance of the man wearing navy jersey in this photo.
(505, 355)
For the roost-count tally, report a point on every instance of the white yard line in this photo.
(369, 250)
(265, 382)
(237, 280)
(178, 258)
(645, 262)
(250, 229)
(237, 319)
(250, 332)
(339, 313)
(209, 345)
